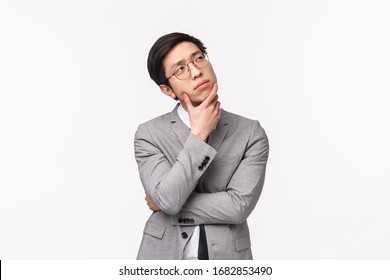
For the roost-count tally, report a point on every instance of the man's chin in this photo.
(195, 103)
(203, 95)
(199, 99)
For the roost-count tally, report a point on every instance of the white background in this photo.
(74, 87)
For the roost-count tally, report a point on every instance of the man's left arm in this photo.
(234, 205)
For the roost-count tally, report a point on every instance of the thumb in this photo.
(187, 102)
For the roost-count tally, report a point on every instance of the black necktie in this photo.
(203, 253)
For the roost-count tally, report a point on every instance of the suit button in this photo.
(207, 158)
(184, 235)
(180, 220)
(200, 168)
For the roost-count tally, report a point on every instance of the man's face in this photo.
(200, 81)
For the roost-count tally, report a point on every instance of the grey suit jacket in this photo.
(229, 170)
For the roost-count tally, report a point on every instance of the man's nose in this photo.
(194, 70)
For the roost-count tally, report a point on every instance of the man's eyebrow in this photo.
(180, 62)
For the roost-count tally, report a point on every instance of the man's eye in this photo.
(180, 69)
(199, 58)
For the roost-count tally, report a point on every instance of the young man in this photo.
(202, 168)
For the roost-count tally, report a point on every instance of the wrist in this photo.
(202, 136)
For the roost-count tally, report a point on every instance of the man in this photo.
(202, 168)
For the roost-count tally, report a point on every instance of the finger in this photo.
(187, 101)
(217, 105)
(219, 113)
(212, 96)
(213, 93)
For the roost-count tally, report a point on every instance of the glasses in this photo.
(182, 71)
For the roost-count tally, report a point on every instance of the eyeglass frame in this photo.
(188, 67)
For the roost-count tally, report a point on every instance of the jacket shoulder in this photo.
(241, 124)
(157, 121)
(238, 118)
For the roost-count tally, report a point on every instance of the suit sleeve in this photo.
(234, 205)
(169, 185)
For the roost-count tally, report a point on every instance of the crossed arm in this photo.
(231, 206)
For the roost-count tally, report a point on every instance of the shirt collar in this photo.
(184, 116)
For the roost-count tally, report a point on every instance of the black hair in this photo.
(160, 49)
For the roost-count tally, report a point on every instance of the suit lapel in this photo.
(218, 135)
(182, 131)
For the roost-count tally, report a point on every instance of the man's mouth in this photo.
(202, 84)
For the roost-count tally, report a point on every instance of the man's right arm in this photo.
(167, 185)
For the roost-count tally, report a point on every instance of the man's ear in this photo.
(168, 91)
